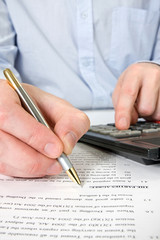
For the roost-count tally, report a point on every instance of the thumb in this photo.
(71, 127)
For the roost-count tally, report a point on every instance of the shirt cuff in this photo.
(157, 62)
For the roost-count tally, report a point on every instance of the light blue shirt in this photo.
(77, 49)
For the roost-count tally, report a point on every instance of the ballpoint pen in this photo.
(35, 112)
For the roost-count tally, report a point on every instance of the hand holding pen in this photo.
(28, 148)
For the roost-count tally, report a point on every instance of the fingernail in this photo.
(123, 123)
(51, 150)
(69, 141)
(55, 168)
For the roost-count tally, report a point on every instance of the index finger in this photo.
(19, 123)
(128, 93)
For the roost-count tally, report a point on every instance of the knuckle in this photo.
(33, 168)
(84, 119)
(145, 110)
(129, 91)
(135, 67)
(34, 135)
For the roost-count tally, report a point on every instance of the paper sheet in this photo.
(119, 199)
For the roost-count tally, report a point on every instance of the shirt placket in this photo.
(85, 43)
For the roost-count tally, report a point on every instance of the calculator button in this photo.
(101, 128)
(111, 124)
(151, 130)
(138, 128)
(96, 130)
(125, 133)
(106, 132)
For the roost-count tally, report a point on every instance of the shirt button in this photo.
(84, 15)
(86, 63)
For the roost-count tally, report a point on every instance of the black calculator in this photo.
(141, 142)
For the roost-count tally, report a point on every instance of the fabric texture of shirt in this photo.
(77, 49)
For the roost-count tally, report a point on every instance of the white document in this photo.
(119, 199)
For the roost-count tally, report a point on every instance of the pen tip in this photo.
(73, 175)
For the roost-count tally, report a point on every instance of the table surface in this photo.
(100, 116)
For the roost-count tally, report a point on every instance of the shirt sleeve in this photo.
(8, 48)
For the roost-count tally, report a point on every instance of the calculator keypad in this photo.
(134, 130)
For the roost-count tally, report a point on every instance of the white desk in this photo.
(101, 116)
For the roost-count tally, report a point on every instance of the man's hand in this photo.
(28, 148)
(137, 94)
